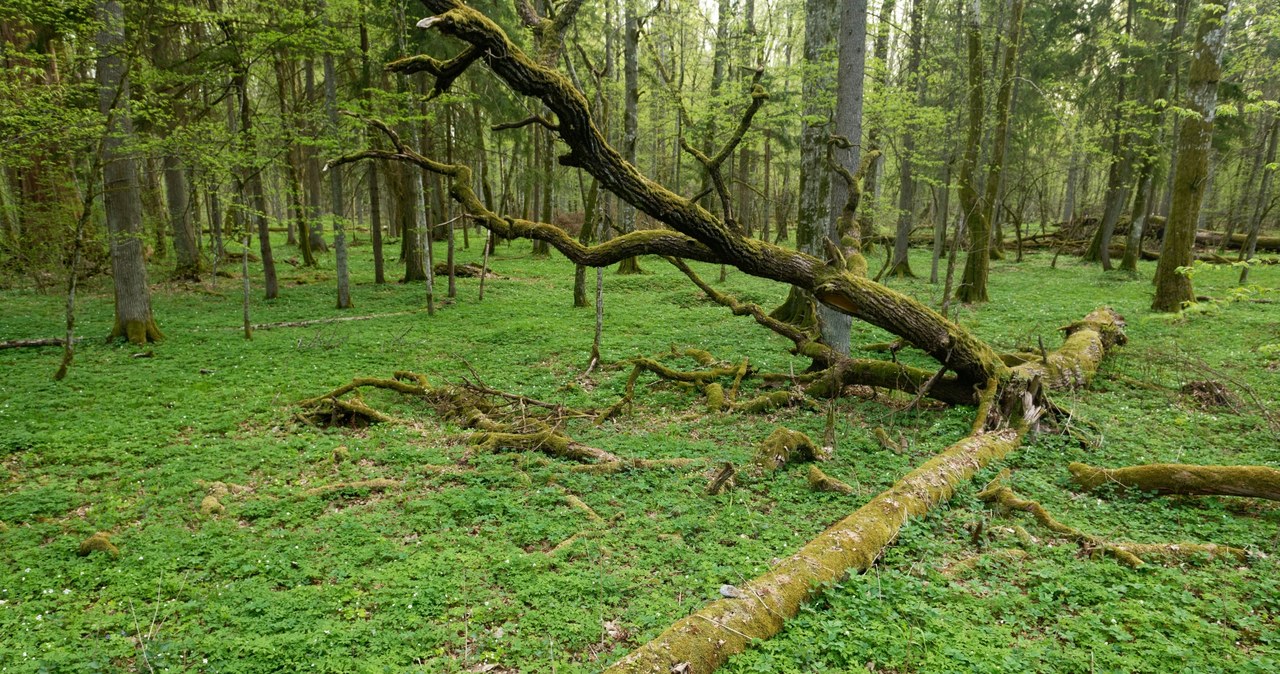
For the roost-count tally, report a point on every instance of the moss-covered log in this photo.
(1175, 478)
(703, 641)
(547, 441)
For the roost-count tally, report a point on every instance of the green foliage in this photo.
(450, 571)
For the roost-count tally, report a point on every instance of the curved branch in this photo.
(972, 360)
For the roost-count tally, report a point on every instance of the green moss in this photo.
(99, 542)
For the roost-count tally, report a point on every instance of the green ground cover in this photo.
(465, 571)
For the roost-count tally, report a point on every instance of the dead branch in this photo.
(782, 447)
(1184, 479)
(29, 343)
(1129, 554)
(531, 119)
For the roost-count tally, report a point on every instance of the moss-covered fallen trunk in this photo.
(1176, 478)
(704, 640)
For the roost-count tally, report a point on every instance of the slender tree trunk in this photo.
(177, 194)
(1173, 289)
(133, 319)
(1004, 105)
(630, 115)
(318, 244)
(973, 283)
(901, 265)
(336, 199)
(252, 196)
(1263, 204)
(871, 187)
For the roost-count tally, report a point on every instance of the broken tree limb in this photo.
(548, 442)
(1129, 554)
(1175, 478)
(820, 481)
(698, 234)
(28, 343)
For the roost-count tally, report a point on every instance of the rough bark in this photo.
(336, 200)
(1173, 289)
(133, 319)
(1172, 478)
(1000, 141)
(973, 283)
(901, 264)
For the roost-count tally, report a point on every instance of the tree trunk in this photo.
(336, 200)
(901, 265)
(973, 284)
(630, 115)
(871, 187)
(1262, 205)
(1173, 289)
(133, 319)
(318, 244)
(185, 246)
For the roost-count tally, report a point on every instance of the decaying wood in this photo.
(703, 641)
(325, 321)
(27, 343)
(374, 485)
(782, 447)
(820, 481)
(1129, 554)
(723, 479)
(1191, 480)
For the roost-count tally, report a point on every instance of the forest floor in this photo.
(462, 568)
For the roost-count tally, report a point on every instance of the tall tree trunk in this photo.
(630, 115)
(973, 284)
(1263, 203)
(1173, 289)
(123, 205)
(336, 199)
(901, 265)
(314, 208)
(252, 196)
(871, 187)
(1004, 108)
(287, 92)
(177, 194)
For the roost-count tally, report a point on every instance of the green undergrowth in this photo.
(490, 567)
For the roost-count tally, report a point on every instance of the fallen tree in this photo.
(1176, 478)
(1007, 391)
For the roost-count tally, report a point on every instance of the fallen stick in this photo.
(1176, 478)
(322, 321)
(25, 343)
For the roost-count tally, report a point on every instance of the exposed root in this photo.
(1174, 478)
(1129, 554)
(820, 481)
(897, 446)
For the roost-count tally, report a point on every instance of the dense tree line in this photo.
(183, 133)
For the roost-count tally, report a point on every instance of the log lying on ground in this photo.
(1129, 554)
(28, 343)
(704, 640)
(701, 642)
(1175, 478)
(1269, 244)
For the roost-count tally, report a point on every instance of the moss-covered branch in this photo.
(1129, 554)
(1175, 478)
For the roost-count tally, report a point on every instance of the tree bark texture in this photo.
(123, 205)
(973, 283)
(1191, 173)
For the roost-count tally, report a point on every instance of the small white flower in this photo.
(67, 591)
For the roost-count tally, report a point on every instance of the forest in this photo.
(639, 336)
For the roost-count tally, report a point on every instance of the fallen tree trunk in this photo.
(1269, 244)
(26, 343)
(701, 642)
(1175, 478)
